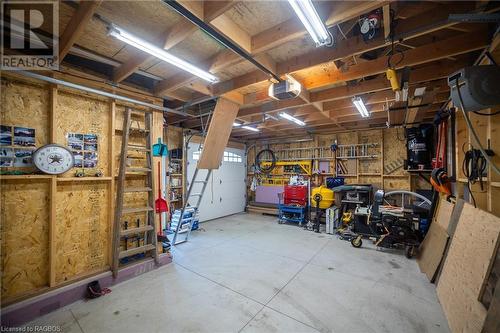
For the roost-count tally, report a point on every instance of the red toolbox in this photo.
(295, 195)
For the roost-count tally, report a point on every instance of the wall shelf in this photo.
(14, 177)
(83, 179)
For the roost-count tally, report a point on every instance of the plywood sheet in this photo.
(78, 114)
(443, 213)
(396, 183)
(466, 267)
(82, 229)
(25, 105)
(24, 236)
(394, 148)
(431, 250)
(218, 134)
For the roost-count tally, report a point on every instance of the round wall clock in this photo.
(53, 159)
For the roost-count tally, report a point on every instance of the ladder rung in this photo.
(200, 181)
(136, 230)
(196, 195)
(136, 250)
(138, 129)
(138, 148)
(137, 189)
(134, 169)
(128, 210)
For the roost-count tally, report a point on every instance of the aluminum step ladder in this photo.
(148, 229)
(184, 228)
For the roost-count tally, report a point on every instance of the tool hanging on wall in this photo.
(161, 205)
(161, 150)
(440, 181)
(441, 122)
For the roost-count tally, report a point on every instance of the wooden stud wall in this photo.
(488, 130)
(58, 229)
(391, 147)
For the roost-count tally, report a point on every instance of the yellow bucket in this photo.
(326, 195)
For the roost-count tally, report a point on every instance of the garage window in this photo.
(232, 157)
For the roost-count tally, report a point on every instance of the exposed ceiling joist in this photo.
(261, 42)
(208, 11)
(434, 71)
(460, 44)
(293, 29)
(418, 25)
(168, 40)
(79, 21)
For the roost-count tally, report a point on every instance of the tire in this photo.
(356, 242)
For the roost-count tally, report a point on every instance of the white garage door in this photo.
(226, 189)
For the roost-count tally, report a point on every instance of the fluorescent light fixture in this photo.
(147, 47)
(250, 128)
(306, 12)
(236, 124)
(358, 103)
(291, 118)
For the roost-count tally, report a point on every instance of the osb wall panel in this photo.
(371, 165)
(174, 137)
(24, 236)
(396, 183)
(26, 105)
(466, 267)
(82, 229)
(78, 114)
(374, 180)
(394, 148)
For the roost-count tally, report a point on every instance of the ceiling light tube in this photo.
(309, 17)
(291, 118)
(147, 47)
(358, 103)
(250, 128)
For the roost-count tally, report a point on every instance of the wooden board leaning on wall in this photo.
(77, 213)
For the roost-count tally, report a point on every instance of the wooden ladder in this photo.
(149, 228)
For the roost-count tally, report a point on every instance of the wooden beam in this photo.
(273, 106)
(176, 34)
(438, 70)
(260, 43)
(293, 29)
(233, 31)
(381, 96)
(213, 9)
(344, 48)
(386, 12)
(449, 47)
(168, 39)
(76, 25)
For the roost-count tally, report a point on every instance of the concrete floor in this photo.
(247, 273)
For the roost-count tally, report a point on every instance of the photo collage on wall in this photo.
(17, 144)
(84, 148)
